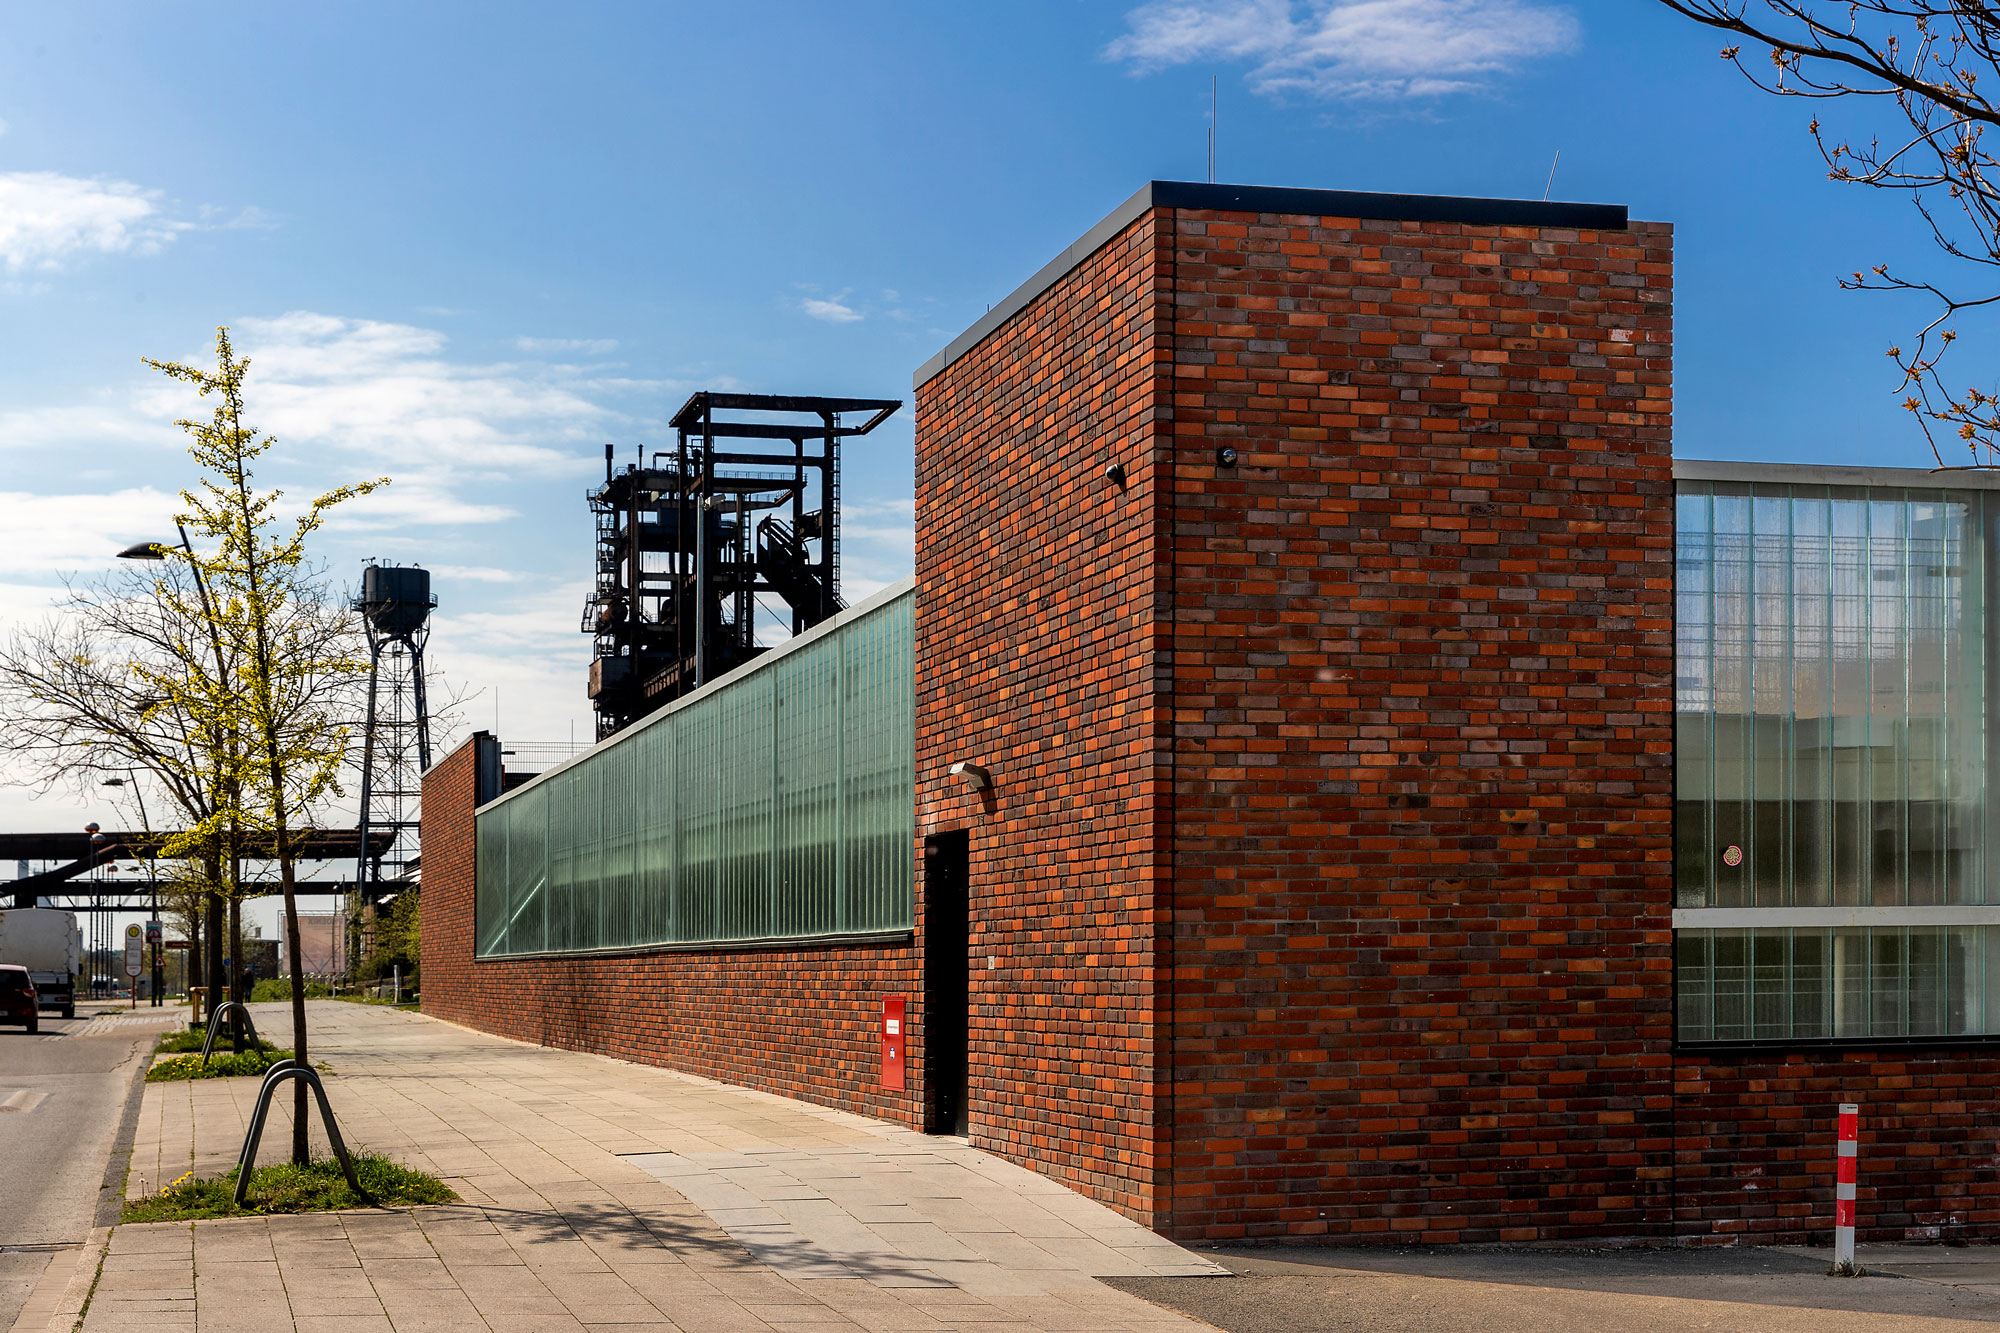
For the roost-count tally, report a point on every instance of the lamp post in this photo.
(131, 779)
(212, 971)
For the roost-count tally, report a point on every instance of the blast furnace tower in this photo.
(748, 503)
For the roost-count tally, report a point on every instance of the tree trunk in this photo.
(212, 971)
(236, 973)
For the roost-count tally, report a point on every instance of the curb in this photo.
(58, 1301)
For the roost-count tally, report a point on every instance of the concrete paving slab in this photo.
(596, 1194)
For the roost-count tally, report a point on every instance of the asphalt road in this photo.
(1526, 1290)
(63, 1098)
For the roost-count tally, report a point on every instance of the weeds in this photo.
(191, 1041)
(316, 1187)
(221, 1064)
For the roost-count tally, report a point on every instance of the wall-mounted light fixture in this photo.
(1116, 474)
(975, 774)
(1225, 457)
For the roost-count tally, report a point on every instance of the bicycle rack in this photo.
(215, 1025)
(277, 1074)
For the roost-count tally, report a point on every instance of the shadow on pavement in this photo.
(624, 1236)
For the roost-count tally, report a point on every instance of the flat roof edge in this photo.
(1200, 195)
(1047, 276)
(1824, 474)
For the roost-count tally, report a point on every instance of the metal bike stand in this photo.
(277, 1074)
(215, 1025)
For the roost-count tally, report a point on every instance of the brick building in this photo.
(1293, 790)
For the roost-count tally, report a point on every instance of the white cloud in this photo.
(528, 650)
(349, 399)
(833, 312)
(388, 394)
(476, 573)
(46, 219)
(892, 522)
(588, 346)
(98, 424)
(1350, 49)
(249, 218)
(49, 534)
(412, 500)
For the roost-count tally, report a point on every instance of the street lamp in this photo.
(160, 551)
(131, 779)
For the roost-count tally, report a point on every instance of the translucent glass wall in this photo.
(1832, 820)
(779, 806)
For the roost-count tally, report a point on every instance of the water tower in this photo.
(395, 606)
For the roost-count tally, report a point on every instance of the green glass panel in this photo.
(616, 767)
(780, 805)
(489, 899)
(528, 895)
(807, 778)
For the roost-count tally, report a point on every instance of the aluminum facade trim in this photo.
(1822, 918)
(1198, 195)
(1820, 474)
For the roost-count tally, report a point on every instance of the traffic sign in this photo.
(135, 950)
(153, 932)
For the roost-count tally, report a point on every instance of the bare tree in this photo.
(106, 685)
(1928, 58)
(123, 676)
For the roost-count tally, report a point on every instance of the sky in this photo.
(467, 245)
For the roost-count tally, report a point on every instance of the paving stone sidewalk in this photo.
(599, 1193)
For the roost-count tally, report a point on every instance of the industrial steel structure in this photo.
(395, 606)
(682, 554)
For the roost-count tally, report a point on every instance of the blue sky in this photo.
(466, 245)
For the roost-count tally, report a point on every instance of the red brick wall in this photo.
(1755, 1145)
(800, 1022)
(1325, 877)
(1423, 730)
(1038, 655)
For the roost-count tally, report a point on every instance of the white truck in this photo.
(49, 944)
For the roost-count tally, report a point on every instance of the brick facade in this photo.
(1378, 681)
(798, 1022)
(1323, 889)
(1041, 655)
(1754, 1135)
(1423, 707)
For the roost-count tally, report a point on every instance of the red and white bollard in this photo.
(1843, 1191)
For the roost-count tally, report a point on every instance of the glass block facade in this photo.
(778, 805)
(1834, 831)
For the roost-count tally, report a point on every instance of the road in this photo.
(63, 1095)
(1526, 1290)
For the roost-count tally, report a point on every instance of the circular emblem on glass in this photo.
(1732, 855)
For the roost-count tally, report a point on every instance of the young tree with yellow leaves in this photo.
(291, 750)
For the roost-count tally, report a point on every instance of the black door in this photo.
(947, 912)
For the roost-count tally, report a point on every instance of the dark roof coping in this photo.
(1272, 199)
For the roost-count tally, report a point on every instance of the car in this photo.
(18, 1003)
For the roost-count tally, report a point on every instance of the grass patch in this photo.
(280, 988)
(191, 1041)
(317, 1187)
(410, 1003)
(221, 1064)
